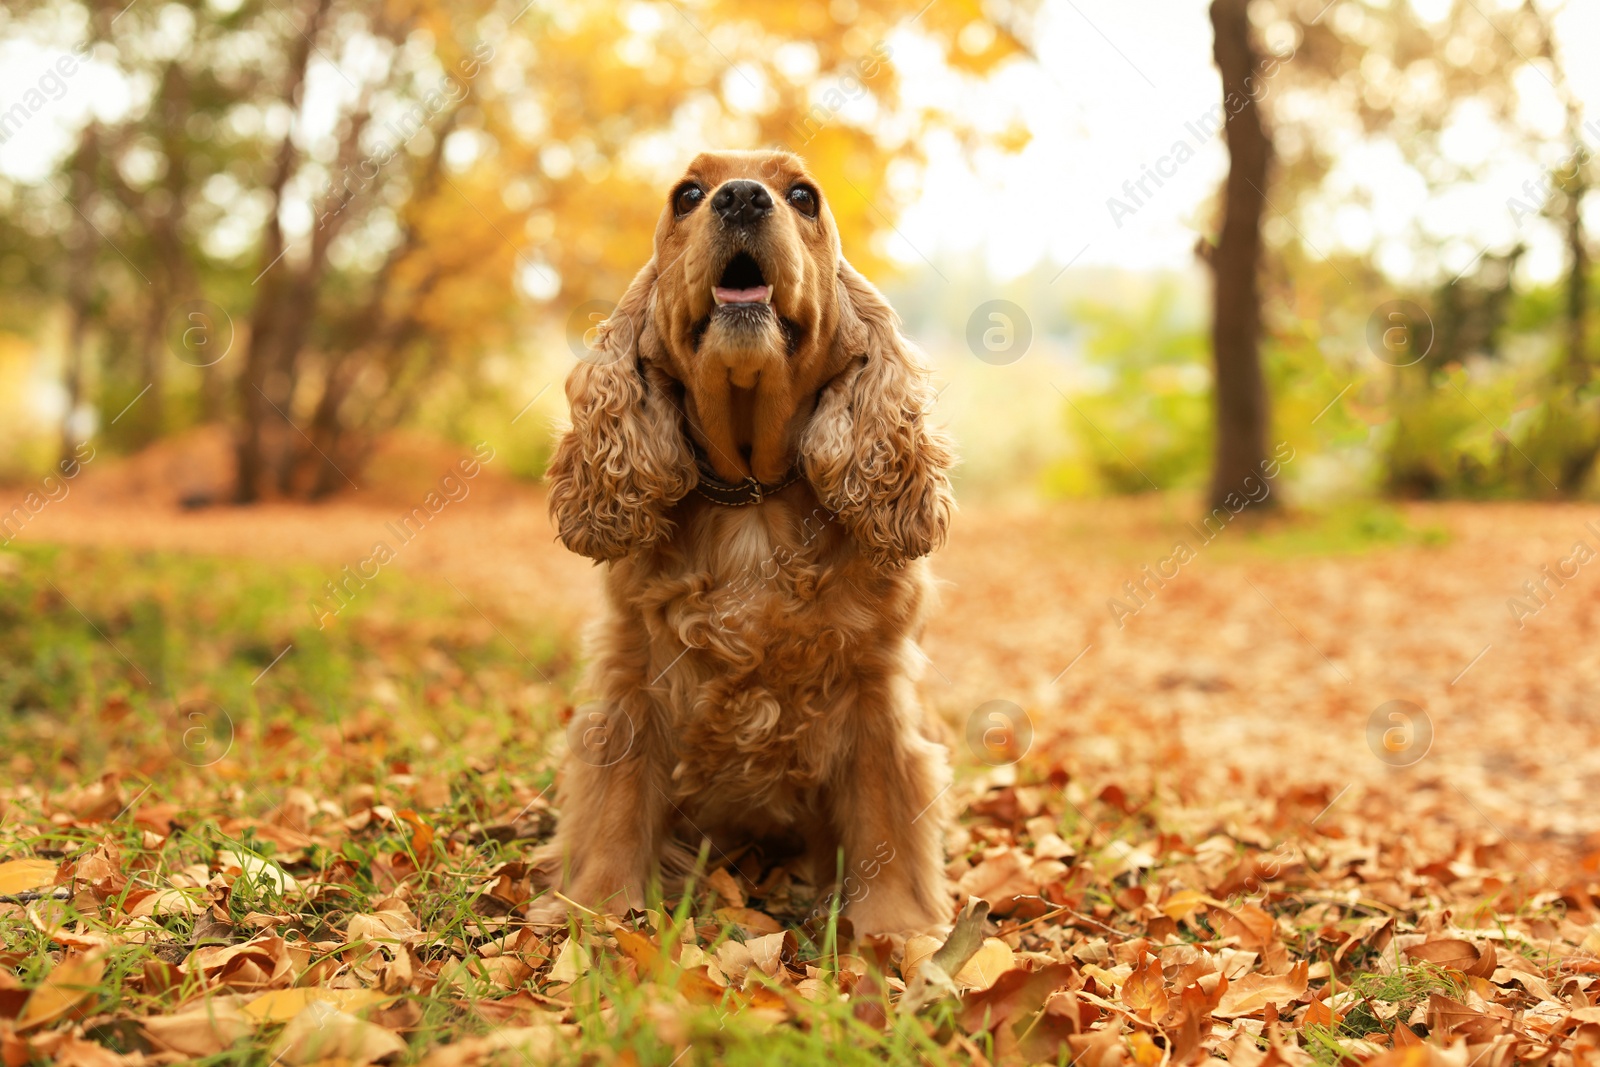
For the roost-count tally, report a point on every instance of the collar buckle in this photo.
(741, 494)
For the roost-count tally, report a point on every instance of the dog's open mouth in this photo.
(742, 284)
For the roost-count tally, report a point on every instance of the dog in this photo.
(750, 455)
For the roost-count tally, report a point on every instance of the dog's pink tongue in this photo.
(758, 295)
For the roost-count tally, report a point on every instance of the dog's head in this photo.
(747, 305)
(749, 256)
(747, 337)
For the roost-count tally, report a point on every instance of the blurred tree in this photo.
(1402, 80)
(1428, 452)
(1572, 419)
(80, 291)
(368, 195)
(1242, 414)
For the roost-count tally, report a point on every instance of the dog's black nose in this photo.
(742, 203)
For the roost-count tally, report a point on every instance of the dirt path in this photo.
(1253, 671)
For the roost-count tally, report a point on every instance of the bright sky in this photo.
(1119, 83)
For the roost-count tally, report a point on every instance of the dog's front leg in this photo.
(612, 807)
(888, 811)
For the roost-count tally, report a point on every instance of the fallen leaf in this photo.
(1001, 877)
(918, 948)
(1457, 955)
(214, 1025)
(257, 871)
(1319, 1013)
(1253, 927)
(393, 923)
(1184, 903)
(281, 1005)
(1253, 992)
(966, 938)
(529, 1044)
(1451, 1017)
(735, 959)
(725, 887)
(1420, 1055)
(67, 1049)
(1102, 1048)
(321, 1032)
(505, 972)
(770, 952)
(72, 982)
(639, 948)
(421, 836)
(1145, 991)
(1014, 996)
(163, 902)
(259, 964)
(749, 920)
(571, 961)
(1146, 1053)
(19, 876)
(993, 958)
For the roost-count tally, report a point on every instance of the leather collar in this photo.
(741, 494)
(735, 494)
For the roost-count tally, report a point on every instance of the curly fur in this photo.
(869, 450)
(754, 671)
(624, 461)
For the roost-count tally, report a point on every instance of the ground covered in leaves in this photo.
(230, 835)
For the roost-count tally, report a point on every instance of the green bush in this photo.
(1148, 425)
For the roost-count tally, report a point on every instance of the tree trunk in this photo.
(1241, 395)
(1577, 283)
(1579, 441)
(1579, 460)
(153, 362)
(80, 281)
(275, 311)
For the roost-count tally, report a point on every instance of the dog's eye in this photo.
(804, 199)
(687, 199)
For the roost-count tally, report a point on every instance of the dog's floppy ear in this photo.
(625, 460)
(869, 451)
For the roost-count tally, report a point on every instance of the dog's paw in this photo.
(549, 910)
(556, 910)
(882, 913)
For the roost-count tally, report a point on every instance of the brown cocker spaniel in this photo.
(750, 455)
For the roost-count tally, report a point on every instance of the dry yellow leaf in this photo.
(1254, 992)
(1183, 903)
(167, 902)
(73, 981)
(767, 952)
(570, 962)
(257, 871)
(19, 876)
(531, 1044)
(918, 948)
(734, 960)
(749, 919)
(322, 1033)
(393, 923)
(212, 1027)
(506, 972)
(281, 1005)
(1146, 1053)
(992, 959)
(726, 888)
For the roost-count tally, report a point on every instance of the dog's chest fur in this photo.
(772, 604)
